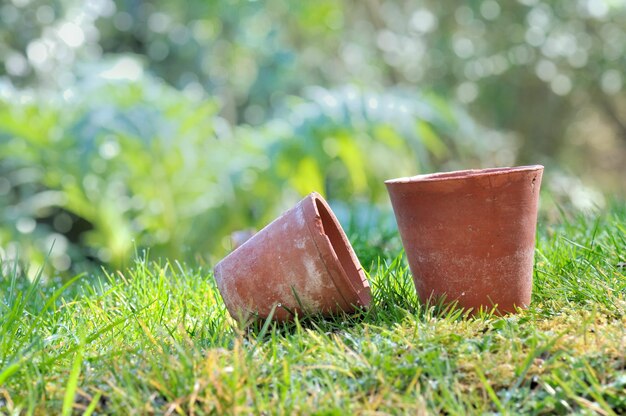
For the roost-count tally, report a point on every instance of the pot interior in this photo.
(340, 245)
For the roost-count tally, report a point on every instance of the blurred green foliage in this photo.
(112, 167)
(130, 124)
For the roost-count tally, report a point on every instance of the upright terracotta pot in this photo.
(469, 236)
(300, 263)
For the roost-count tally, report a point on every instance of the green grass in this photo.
(156, 339)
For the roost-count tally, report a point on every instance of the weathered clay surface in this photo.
(469, 235)
(302, 263)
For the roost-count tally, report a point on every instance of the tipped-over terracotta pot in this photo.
(300, 263)
(469, 236)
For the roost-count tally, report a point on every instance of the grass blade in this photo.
(72, 382)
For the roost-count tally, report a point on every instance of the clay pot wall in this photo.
(300, 263)
(469, 236)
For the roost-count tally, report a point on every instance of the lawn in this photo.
(155, 338)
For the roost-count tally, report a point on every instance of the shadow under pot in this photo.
(301, 263)
(469, 235)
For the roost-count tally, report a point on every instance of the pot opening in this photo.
(339, 243)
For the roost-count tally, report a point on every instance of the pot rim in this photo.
(354, 281)
(459, 175)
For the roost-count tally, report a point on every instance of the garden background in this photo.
(127, 125)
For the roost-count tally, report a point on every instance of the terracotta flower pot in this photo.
(469, 236)
(300, 263)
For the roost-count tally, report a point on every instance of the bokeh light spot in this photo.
(490, 9)
(15, 64)
(37, 52)
(71, 34)
(463, 47)
(25, 225)
(423, 21)
(611, 82)
(561, 84)
(123, 21)
(62, 222)
(546, 70)
(45, 14)
(467, 92)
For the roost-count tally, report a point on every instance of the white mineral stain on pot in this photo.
(314, 278)
(300, 218)
(285, 293)
(225, 290)
(314, 283)
(307, 287)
